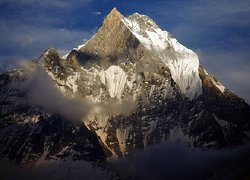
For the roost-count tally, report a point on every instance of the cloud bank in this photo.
(176, 162)
(53, 170)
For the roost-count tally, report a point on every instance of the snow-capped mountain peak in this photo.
(142, 86)
(182, 62)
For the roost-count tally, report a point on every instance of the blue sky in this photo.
(218, 30)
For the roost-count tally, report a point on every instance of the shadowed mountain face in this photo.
(143, 88)
(30, 134)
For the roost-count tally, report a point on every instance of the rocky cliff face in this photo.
(145, 88)
(30, 136)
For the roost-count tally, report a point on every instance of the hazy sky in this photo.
(218, 30)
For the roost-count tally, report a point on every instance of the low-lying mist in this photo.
(43, 92)
(166, 161)
(175, 161)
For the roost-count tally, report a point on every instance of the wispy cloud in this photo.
(34, 25)
(41, 91)
(28, 41)
(54, 3)
(97, 13)
(220, 12)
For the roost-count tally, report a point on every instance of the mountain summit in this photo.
(144, 87)
(112, 19)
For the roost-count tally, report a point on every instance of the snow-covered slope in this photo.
(115, 78)
(182, 62)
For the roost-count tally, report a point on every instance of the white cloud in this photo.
(42, 92)
(97, 13)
